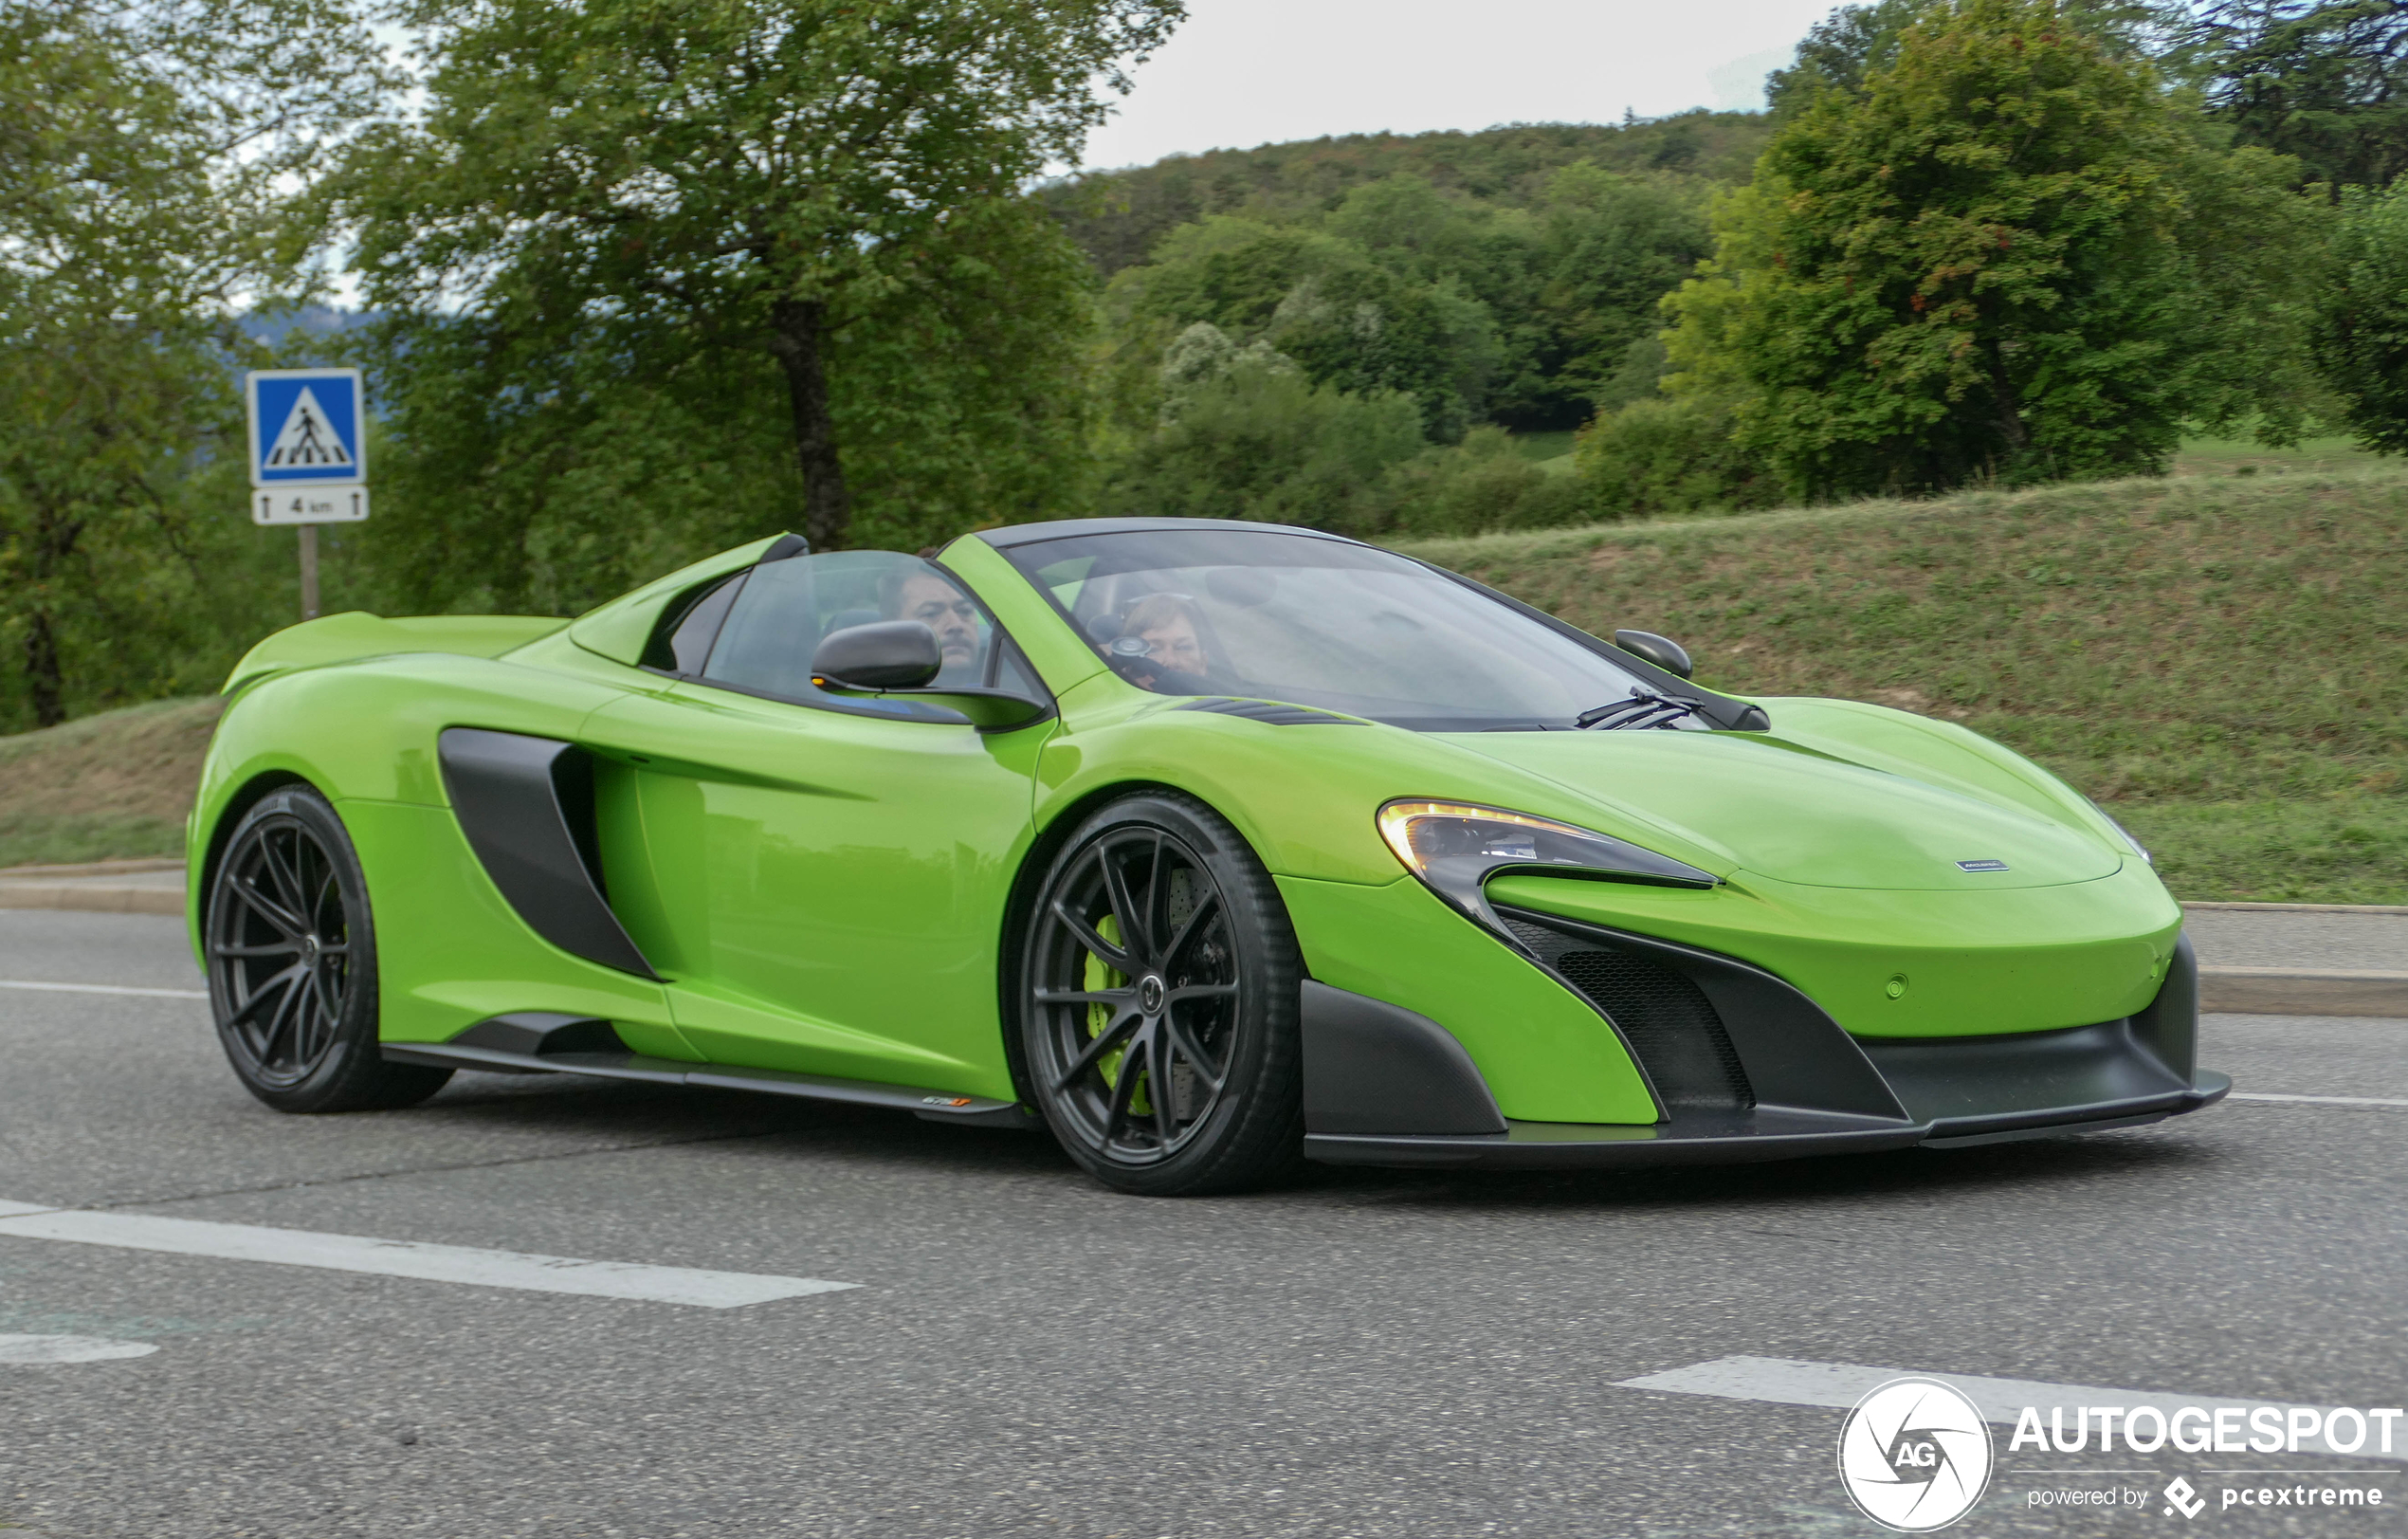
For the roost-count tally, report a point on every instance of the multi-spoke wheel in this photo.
(1159, 1018)
(292, 965)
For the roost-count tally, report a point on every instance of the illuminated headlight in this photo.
(1455, 848)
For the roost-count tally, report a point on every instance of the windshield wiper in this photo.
(1643, 708)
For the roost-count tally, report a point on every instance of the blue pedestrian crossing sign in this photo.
(306, 428)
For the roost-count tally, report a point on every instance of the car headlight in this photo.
(1455, 847)
(2138, 848)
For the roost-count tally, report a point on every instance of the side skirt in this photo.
(540, 1042)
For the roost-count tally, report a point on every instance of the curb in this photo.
(2282, 991)
(88, 898)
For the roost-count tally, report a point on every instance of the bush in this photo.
(1657, 456)
(1265, 443)
(1481, 485)
(2362, 341)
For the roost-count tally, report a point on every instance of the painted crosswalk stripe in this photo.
(2316, 1100)
(1780, 1381)
(104, 988)
(406, 1259)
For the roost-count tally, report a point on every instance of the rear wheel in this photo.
(1159, 999)
(292, 965)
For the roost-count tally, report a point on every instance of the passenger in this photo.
(926, 595)
(1167, 623)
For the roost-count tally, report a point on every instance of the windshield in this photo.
(1316, 622)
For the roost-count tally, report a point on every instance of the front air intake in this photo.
(1668, 1021)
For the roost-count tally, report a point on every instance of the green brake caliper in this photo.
(1100, 976)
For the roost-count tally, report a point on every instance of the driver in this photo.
(1167, 623)
(924, 595)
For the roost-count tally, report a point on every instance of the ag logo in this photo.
(1914, 1454)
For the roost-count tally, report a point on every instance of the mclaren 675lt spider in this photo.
(1205, 846)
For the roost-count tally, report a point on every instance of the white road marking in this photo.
(2315, 1100)
(69, 1348)
(406, 1259)
(105, 988)
(1782, 1380)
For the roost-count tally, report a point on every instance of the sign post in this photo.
(309, 456)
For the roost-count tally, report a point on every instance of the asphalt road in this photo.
(1371, 1353)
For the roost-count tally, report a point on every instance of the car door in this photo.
(822, 879)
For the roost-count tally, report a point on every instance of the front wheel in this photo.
(292, 965)
(1160, 1002)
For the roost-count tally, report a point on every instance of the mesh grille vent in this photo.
(1670, 1022)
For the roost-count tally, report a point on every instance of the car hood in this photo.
(1807, 815)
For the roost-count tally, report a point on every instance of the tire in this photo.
(291, 949)
(1158, 954)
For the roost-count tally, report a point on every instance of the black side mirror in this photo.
(902, 657)
(1663, 651)
(892, 655)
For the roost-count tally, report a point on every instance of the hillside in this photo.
(2221, 661)
(1116, 216)
(116, 784)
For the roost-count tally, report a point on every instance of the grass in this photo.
(2246, 457)
(110, 786)
(2222, 660)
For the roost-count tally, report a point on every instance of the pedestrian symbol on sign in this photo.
(306, 440)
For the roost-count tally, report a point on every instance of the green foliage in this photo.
(2362, 336)
(1481, 485)
(1657, 458)
(2011, 258)
(1264, 442)
(2326, 81)
(826, 185)
(1120, 217)
(142, 153)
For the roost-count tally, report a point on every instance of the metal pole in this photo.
(309, 571)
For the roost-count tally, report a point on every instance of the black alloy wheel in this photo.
(292, 965)
(1159, 998)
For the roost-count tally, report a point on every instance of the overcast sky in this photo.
(1246, 72)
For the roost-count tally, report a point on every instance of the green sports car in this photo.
(1204, 845)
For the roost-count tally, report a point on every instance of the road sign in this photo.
(307, 430)
(309, 504)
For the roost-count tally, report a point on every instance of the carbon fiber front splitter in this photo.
(1743, 1137)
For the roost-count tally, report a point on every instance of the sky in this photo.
(1240, 73)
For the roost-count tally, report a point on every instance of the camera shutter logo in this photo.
(1915, 1455)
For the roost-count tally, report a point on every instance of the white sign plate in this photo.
(309, 504)
(309, 428)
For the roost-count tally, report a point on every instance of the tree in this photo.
(2361, 335)
(2326, 81)
(761, 175)
(142, 151)
(2012, 256)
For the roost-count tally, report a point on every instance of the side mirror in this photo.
(902, 657)
(1664, 652)
(892, 655)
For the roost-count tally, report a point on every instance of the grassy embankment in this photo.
(2221, 660)
(116, 784)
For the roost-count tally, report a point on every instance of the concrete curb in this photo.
(91, 897)
(2284, 991)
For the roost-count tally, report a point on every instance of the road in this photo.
(1369, 1354)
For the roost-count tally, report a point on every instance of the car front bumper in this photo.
(1741, 1066)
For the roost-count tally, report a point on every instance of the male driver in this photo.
(925, 596)
(1166, 623)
